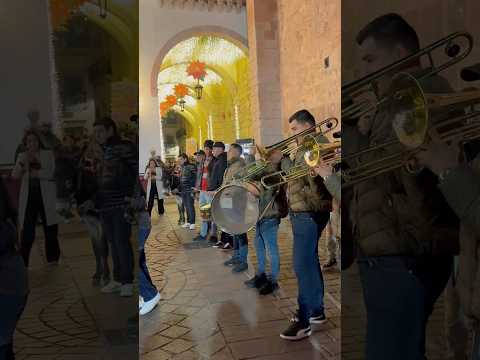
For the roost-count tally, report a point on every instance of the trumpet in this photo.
(411, 123)
(286, 147)
(366, 85)
(316, 152)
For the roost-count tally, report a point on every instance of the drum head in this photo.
(234, 209)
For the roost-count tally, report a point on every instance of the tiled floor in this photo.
(67, 318)
(208, 313)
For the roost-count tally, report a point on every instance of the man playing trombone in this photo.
(405, 232)
(309, 206)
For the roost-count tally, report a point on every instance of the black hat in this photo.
(219, 144)
(199, 152)
(208, 144)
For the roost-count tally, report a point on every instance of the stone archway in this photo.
(217, 31)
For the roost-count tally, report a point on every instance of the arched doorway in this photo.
(223, 113)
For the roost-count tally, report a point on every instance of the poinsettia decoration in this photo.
(196, 69)
(171, 100)
(181, 90)
(164, 108)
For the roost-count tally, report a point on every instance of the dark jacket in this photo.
(187, 178)
(216, 170)
(306, 194)
(119, 173)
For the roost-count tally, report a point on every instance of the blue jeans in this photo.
(204, 199)
(266, 240)
(240, 247)
(400, 293)
(189, 203)
(307, 228)
(145, 284)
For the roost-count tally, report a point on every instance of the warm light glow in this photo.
(237, 123)
(210, 127)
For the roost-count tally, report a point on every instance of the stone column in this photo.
(264, 54)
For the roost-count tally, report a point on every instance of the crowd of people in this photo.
(194, 183)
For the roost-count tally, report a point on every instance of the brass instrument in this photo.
(366, 85)
(316, 152)
(411, 110)
(286, 146)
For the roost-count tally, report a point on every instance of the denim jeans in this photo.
(189, 203)
(399, 294)
(266, 241)
(145, 284)
(240, 247)
(117, 230)
(204, 199)
(307, 228)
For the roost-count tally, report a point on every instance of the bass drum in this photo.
(235, 208)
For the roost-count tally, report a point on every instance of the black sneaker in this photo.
(219, 244)
(268, 288)
(181, 222)
(240, 267)
(256, 282)
(318, 320)
(296, 331)
(330, 264)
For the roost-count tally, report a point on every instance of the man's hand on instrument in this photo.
(439, 156)
(275, 156)
(323, 170)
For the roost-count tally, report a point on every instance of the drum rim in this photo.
(213, 212)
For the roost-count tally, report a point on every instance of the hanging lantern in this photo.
(198, 90)
(181, 91)
(182, 102)
(196, 69)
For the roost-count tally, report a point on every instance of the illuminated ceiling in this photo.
(219, 54)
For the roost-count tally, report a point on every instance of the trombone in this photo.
(365, 85)
(316, 152)
(287, 147)
(411, 110)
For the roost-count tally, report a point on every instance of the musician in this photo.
(201, 186)
(216, 169)
(460, 184)
(273, 207)
(309, 207)
(399, 221)
(240, 242)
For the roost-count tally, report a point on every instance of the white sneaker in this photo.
(111, 287)
(150, 305)
(140, 302)
(126, 290)
(192, 227)
(186, 225)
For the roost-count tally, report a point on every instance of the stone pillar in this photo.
(310, 60)
(264, 54)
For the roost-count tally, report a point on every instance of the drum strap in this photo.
(268, 205)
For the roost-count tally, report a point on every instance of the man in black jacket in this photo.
(216, 169)
(117, 180)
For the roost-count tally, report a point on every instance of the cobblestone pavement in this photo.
(65, 317)
(208, 313)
